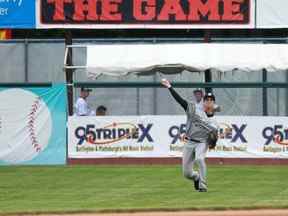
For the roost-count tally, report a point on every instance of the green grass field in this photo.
(99, 188)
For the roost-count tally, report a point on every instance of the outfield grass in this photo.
(98, 188)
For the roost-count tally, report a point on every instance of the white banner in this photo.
(158, 136)
(272, 14)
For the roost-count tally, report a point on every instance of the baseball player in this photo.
(201, 134)
(198, 95)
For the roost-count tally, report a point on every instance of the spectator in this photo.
(81, 107)
(198, 95)
(101, 110)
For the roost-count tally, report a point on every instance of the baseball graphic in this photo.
(25, 125)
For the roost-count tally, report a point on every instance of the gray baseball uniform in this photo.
(198, 126)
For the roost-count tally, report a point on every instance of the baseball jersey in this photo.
(82, 107)
(200, 106)
(198, 124)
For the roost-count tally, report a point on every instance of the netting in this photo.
(158, 101)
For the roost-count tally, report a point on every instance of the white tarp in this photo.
(121, 59)
(158, 136)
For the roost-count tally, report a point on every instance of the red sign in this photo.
(151, 12)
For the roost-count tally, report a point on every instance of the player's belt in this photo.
(193, 140)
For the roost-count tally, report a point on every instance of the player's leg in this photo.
(200, 154)
(188, 161)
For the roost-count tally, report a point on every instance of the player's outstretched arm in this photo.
(175, 95)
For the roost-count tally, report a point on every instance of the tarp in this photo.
(143, 59)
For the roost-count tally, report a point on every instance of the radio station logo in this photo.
(232, 132)
(113, 133)
(14, 2)
(277, 134)
(226, 131)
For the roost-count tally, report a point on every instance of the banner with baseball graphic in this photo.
(158, 136)
(33, 125)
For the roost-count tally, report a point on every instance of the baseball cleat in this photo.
(202, 190)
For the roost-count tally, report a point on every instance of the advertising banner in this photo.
(143, 14)
(17, 14)
(158, 136)
(33, 125)
(146, 14)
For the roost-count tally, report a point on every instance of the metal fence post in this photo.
(155, 101)
(69, 73)
(286, 94)
(26, 58)
(264, 93)
(208, 79)
(138, 101)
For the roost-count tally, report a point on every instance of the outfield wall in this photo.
(157, 137)
(33, 131)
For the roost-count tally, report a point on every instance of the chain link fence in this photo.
(42, 61)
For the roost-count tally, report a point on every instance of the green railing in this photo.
(21, 85)
(181, 85)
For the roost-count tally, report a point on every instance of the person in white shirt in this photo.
(198, 96)
(81, 106)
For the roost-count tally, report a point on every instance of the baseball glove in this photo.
(212, 140)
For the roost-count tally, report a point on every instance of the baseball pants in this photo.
(195, 153)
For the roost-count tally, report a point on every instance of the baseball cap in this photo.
(198, 90)
(209, 95)
(86, 89)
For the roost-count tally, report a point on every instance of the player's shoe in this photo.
(202, 190)
(196, 184)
